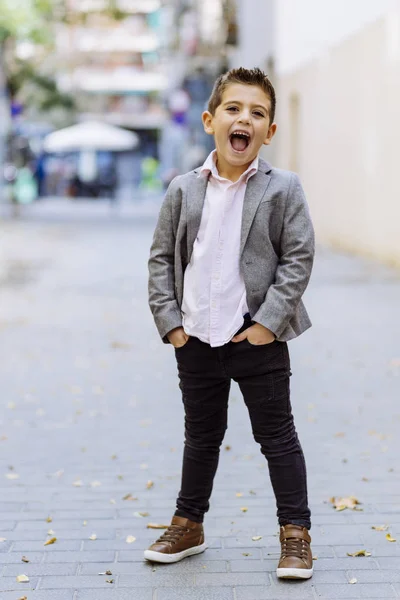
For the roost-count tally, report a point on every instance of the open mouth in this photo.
(240, 140)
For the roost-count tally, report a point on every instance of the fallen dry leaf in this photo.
(130, 539)
(227, 447)
(78, 483)
(112, 501)
(350, 502)
(50, 532)
(24, 559)
(390, 538)
(253, 493)
(340, 434)
(315, 557)
(239, 495)
(22, 578)
(106, 573)
(84, 523)
(256, 538)
(156, 526)
(359, 553)
(380, 527)
(49, 519)
(109, 580)
(129, 497)
(23, 598)
(244, 509)
(246, 554)
(12, 476)
(50, 541)
(140, 514)
(149, 485)
(3, 539)
(95, 484)
(354, 580)
(93, 537)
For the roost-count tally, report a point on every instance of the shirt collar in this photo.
(210, 166)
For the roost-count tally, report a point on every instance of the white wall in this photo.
(307, 28)
(342, 134)
(256, 24)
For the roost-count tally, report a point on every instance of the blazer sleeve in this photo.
(295, 263)
(161, 283)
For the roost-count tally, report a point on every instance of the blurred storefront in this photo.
(113, 66)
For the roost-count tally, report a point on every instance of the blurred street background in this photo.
(100, 106)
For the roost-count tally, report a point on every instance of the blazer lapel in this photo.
(195, 196)
(255, 191)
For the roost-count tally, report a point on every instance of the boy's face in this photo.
(240, 124)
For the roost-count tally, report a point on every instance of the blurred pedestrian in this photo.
(231, 258)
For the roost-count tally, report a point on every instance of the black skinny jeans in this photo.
(262, 373)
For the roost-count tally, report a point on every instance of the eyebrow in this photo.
(238, 102)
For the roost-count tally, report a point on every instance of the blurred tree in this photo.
(27, 38)
(29, 24)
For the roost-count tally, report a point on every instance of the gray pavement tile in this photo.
(41, 595)
(362, 590)
(192, 593)
(27, 546)
(246, 541)
(7, 526)
(40, 570)
(76, 582)
(131, 594)
(100, 556)
(15, 558)
(251, 553)
(233, 579)
(388, 562)
(157, 579)
(246, 566)
(10, 583)
(350, 562)
(189, 565)
(384, 549)
(288, 591)
(385, 576)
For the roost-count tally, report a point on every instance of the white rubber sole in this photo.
(173, 558)
(294, 573)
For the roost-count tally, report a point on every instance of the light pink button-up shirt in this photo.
(214, 294)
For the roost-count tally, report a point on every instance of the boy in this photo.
(231, 257)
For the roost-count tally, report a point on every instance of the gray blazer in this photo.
(276, 252)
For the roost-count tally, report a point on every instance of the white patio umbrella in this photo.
(90, 135)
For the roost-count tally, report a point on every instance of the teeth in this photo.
(241, 133)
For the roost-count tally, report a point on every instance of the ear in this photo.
(271, 132)
(207, 119)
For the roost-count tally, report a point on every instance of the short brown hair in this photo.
(246, 77)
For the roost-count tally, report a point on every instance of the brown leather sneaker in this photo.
(182, 538)
(296, 560)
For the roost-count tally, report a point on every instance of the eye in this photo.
(232, 108)
(259, 114)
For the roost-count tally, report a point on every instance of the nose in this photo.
(244, 117)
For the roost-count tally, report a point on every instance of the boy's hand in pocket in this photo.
(257, 334)
(178, 337)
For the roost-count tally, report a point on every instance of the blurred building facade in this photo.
(338, 79)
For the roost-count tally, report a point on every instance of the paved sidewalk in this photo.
(90, 412)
